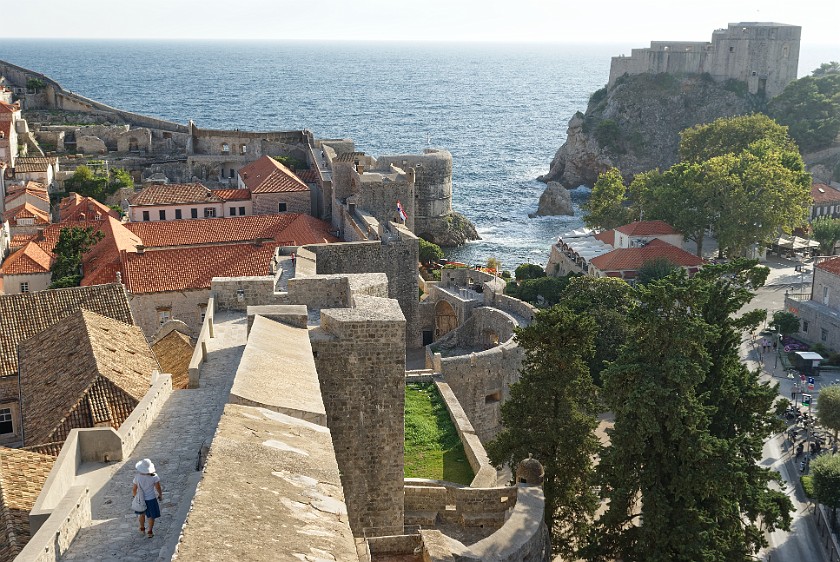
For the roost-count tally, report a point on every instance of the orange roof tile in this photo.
(193, 268)
(267, 175)
(307, 176)
(27, 211)
(29, 259)
(232, 194)
(631, 259)
(606, 236)
(22, 476)
(19, 241)
(831, 265)
(174, 193)
(647, 228)
(824, 194)
(9, 107)
(34, 164)
(75, 207)
(227, 230)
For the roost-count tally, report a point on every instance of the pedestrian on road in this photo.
(147, 483)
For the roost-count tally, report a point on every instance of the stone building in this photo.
(74, 207)
(27, 270)
(31, 192)
(274, 188)
(819, 312)
(86, 370)
(176, 201)
(27, 315)
(826, 201)
(9, 115)
(763, 55)
(37, 168)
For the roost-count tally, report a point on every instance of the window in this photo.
(24, 287)
(241, 211)
(178, 213)
(209, 212)
(145, 215)
(232, 173)
(243, 149)
(805, 326)
(825, 296)
(282, 207)
(225, 147)
(162, 214)
(731, 49)
(823, 334)
(202, 310)
(6, 425)
(232, 211)
(164, 315)
(194, 213)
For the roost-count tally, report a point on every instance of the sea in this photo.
(500, 109)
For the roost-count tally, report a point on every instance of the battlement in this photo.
(765, 56)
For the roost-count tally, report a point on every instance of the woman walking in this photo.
(146, 482)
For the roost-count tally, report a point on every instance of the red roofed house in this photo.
(31, 192)
(826, 201)
(37, 168)
(175, 201)
(25, 271)
(626, 262)
(26, 219)
(74, 207)
(642, 232)
(274, 188)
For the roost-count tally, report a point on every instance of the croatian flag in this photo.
(401, 211)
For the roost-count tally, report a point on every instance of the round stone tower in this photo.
(530, 472)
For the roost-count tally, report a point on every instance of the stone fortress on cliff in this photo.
(763, 55)
(298, 377)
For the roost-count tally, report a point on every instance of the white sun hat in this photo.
(146, 466)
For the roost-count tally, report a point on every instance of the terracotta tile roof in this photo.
(27, 211)
(350, 157)
(28, 314)
(34, 164)
(307, 176)
(9, 107)
(22, 476)
(647, 228)
(174, 352)
(29, 259)
(631, 259)
(232, 194)
(74, 207)
(19, 241)
(230, 230)
(192, 268)
(267, 175)
(85, 370)
(831, 265)
(824, 194)
(606, 236)
(34, 188)
(174, 194)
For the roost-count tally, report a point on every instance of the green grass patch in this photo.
(432, 447)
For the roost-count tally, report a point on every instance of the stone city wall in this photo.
(429, 501)
(199, 355)
(186, 306)
(56, 535)
(396, 258)
(360, 357)
(269, 203)
(238, 293)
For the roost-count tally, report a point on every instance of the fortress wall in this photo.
(396, 258)
(432, 185)
(360, 356)
(379, 195)
(255, 291)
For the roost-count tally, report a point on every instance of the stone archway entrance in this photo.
(445, 319)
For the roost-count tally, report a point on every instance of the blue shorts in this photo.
(152, 509)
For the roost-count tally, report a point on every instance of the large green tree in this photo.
(681, 472)
(73, 243)
(606, 206)
(96, 183)
(810, 106)
(429, 252)
(826, 231)
(785, 322)
(826, 472)
(731, 135)
(551, 413)
(828, 412)
(607, 301)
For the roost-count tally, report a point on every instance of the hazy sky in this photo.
(579, 21)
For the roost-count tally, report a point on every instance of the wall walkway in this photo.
(174, 442)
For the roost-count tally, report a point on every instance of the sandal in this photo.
(150, 534)
(143, 530)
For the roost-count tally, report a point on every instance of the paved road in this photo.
(187, 420)
(801, 544)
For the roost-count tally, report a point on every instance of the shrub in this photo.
(607, 134)
(528, 271)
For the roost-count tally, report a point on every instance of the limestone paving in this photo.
(187, 422)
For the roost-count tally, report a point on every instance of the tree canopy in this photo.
(828, 413)
(429, 252)
(528, 271)
(785, 322)
(810, 107)
(605, 207)
(826, 231)
(731, 135)
(73, 243)
(681, 471)
(825, 470)
(551, 413)
(95, 183)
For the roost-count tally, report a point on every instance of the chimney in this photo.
(140, 248)
(119, 277)
(39, 236)
(360, 168)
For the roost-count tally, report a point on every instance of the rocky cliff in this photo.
(635, 125)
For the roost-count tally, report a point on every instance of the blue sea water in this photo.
(501, 109)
